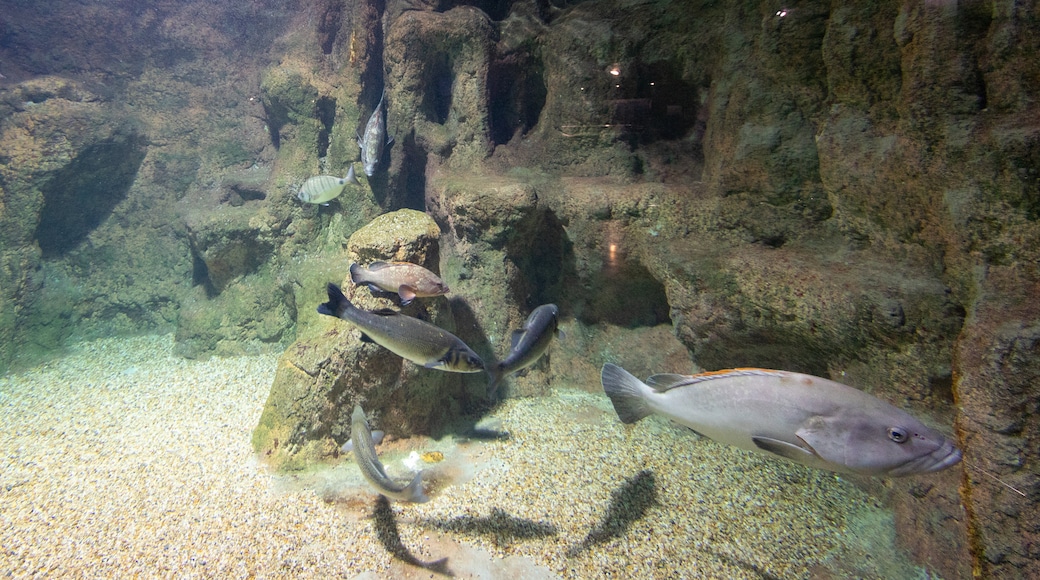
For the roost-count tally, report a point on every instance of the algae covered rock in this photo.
(329, 369)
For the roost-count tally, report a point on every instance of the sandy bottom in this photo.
(121, 459)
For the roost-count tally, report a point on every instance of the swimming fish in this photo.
(324, 188)
(372, 469)
(410, 338)
(375, 139)
(807, 419)
(528, 344)
(408, 280)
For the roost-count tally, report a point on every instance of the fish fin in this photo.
(415, 490)
(367, 338)
(627, 393)
(337, 304)
(355, 273)
(515, 338)
(374, 288)
(783, 449)
(360, 141)
(664, 381)
(407, 294)
(351, 177)
(377, 438)
(385, 312)
(434, 364)
(560, 335)
(379, 265)
(389, 140)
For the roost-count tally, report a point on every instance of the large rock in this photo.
(329, 369)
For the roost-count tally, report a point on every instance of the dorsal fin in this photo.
(665, 381)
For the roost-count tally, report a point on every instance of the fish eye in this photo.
(898, 434)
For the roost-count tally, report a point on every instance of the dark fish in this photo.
(528, 344)
(372, 469)
(375, 139)
(807, 419)
(408, 280)
(407, 337)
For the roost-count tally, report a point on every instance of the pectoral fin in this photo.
(784, 449)
(514, 339)
(407, 294)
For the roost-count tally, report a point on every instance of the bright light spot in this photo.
(781, 13)
(617, 86)
(615, 70)
(652, 83)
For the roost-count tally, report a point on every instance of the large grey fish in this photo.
(410, 338)
(372, 469)
(324, 188)
(375, 139)
(807, 419)
(408, 280)
(527, 344)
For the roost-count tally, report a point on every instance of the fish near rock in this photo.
(374, 141)
(371, 468)
(322, 189)
(409, 281)
(809, 420)
(410, 338)
(528, 344)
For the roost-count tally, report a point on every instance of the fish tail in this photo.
(337, 304)
(414, 492)
(495, 375)
(627, 393)
(356, 273)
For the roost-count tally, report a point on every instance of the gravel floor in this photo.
(121, 459)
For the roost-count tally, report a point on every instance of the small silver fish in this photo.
(410, 338)
(807, 419)
(372, 469)
(410, 281)
(375, 139)
(528, 344)
(324, 188)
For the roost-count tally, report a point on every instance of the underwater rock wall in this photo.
(851, 191)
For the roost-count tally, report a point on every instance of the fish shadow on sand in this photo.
(386, 531)
(628, 504)
(502, 528)
(737, 563)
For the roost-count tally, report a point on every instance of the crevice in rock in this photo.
(329, 25)
(517, 92)
(325, 111)
(436, 100)
(624, 293)
(80, 196)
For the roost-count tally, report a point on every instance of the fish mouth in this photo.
(946, 455)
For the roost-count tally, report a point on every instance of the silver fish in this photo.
(372, 469)
(807, 419)
(528, 344)
(324, 188)
(375, 139)
(408, 280)
(410, 338)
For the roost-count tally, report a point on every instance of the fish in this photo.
(410, 338)
(375, 139)
(372, 469)
(527, 344)
(325, 188)
(377, 438)
(809, 420)
(410, 281)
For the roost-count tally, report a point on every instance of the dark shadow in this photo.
(502, 528)
(545, 256)
(469, 329)
(83, 194)
(390, 538)
(325, 110)
(744, 565)
(438, 80)
(516, 89)
(627, 295)
(628, 504)
(413, 175)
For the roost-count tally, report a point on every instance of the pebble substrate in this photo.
(122, 459)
